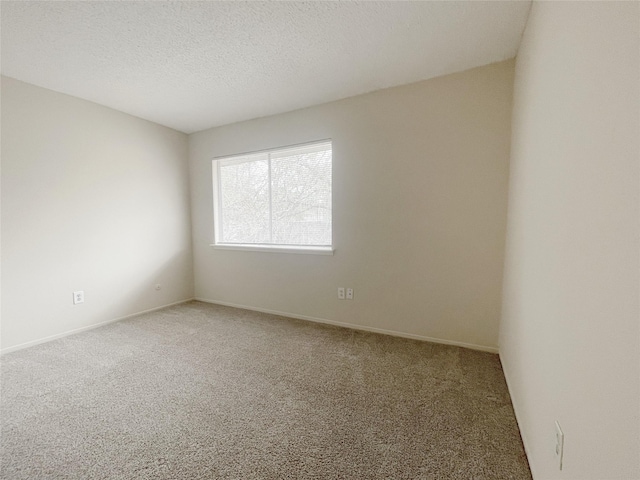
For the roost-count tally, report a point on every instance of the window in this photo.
(274, 200)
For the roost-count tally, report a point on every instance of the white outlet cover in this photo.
(341, 293)
(350, 293)
(78, 297)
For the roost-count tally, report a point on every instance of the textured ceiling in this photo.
(193, 65)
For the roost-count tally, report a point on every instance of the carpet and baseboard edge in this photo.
(56, 336)
(353, 326)
(517, 412)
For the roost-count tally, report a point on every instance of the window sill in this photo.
(276, 249)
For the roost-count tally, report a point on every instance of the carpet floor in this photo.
(200, 391)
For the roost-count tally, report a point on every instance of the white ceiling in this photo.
(193, 65)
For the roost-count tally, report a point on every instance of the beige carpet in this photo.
(199, 391)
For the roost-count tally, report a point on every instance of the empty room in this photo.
(320, 240)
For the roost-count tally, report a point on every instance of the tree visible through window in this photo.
(278, 197)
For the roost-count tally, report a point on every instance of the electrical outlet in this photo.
(341, 293)
(349, 293)
(78, 297)
(559, 445)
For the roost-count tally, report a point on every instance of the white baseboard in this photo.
(354, 326)
(515, 411)
(84, 329)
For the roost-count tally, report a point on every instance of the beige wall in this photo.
(420, 186)
(93, 200)
(569, 337)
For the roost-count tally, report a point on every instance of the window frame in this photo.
(264, 247)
